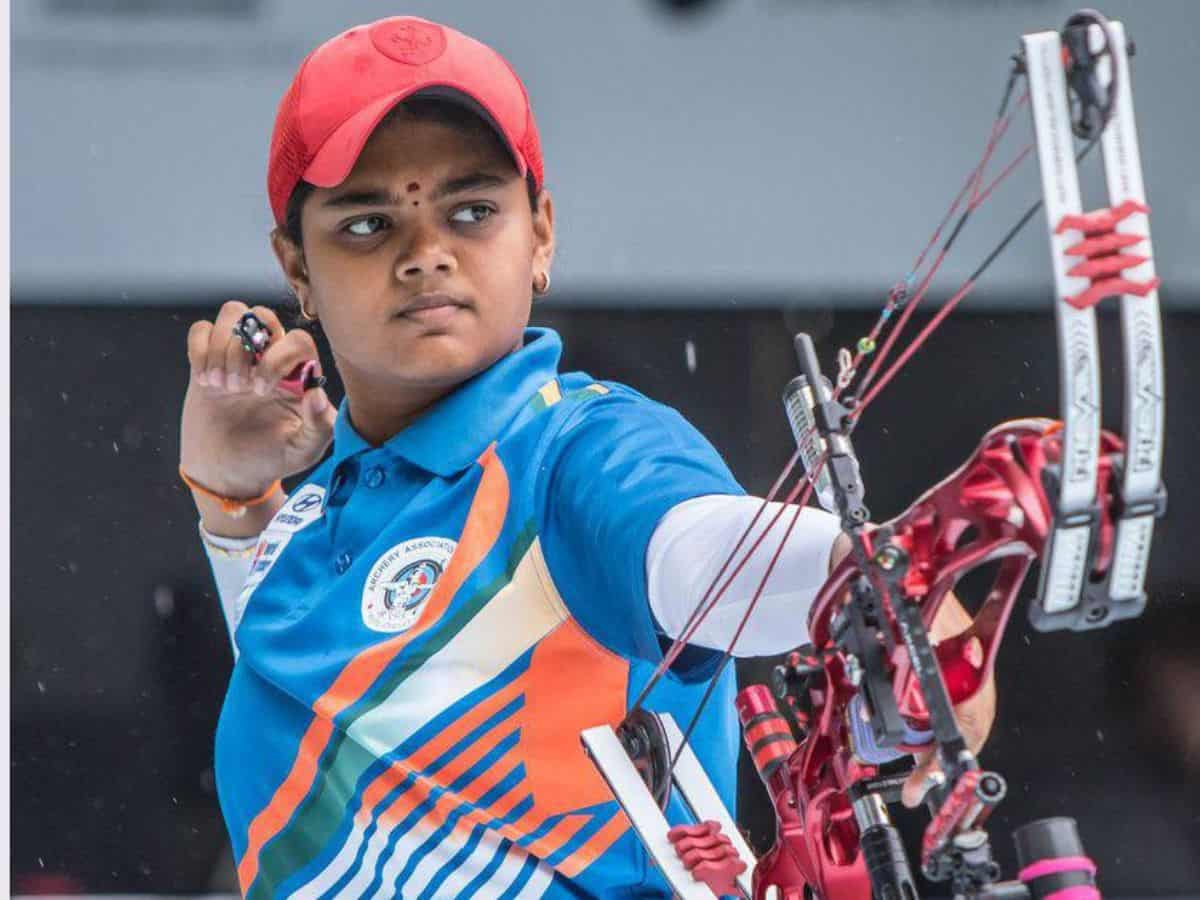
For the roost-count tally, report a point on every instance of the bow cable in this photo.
(901, 294)
(708, 601)
(856, 402)
(728, 654)
(965, 288)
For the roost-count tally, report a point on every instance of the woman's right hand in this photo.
(240, 431)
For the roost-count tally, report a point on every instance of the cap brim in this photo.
(337, 156)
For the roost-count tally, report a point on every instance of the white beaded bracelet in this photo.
(234, 548)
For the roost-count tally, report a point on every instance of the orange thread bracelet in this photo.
(234, 508)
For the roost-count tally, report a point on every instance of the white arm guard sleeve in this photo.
(230, 560)
(693, 540)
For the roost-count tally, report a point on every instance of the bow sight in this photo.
(872, 688)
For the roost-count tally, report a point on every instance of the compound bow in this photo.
(872, 687)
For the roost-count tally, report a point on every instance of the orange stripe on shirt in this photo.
(424, 787)
(595, 846)
(563, 831)
(504, 804)
(444, 740)
(430, 751)
(484, 522)
(449, 773)
(448, 801)
(488, 779)
(490, 817)
(559, 776)
(558, 835)
(451, 802)
(289, 794)
(435, 747)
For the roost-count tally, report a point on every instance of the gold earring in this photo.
(304, 313)
(541, 284)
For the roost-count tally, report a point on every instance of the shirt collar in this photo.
(451, 435)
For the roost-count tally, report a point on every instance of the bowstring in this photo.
(708, 602)
(978, 197)
(958, 296)
(999, 127)
(899, 294)
(727, 654)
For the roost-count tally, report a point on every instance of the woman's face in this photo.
(420, 264)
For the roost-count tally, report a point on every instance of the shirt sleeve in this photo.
(230, 560)
(615, 466)
(690, 546)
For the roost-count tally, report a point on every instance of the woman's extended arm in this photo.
(694, 539)
(688, 548)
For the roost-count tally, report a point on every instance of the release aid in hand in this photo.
(255, 336)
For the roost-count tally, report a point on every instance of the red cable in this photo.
(708, 602)
(999, 129)
(894, 334)
(704, 606)
(762, 584)
(1008, 170)
(914, 346)
(941, 314)
(803, 487)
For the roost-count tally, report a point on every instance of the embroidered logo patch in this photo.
(401, 582)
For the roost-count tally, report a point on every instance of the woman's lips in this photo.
(434, 315)
(432, 309)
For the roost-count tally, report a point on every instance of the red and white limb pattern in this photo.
(1104, 257)
(1096, 256)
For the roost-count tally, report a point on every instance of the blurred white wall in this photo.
(786, 149)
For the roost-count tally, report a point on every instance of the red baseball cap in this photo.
(347, 85)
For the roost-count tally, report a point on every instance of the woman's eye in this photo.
(472, 215)
(367, 226)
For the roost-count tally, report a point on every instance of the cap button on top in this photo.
(412, 41)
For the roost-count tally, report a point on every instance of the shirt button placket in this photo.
(342, 563)
(375, 477)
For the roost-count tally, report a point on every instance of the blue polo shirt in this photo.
(429, 624)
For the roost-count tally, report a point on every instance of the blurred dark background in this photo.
(120, 656)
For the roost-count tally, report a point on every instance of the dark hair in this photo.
(423, 109)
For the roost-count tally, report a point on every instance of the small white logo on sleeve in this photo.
(303, 508)
(401, 582)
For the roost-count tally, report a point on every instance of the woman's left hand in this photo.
(975, 715)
